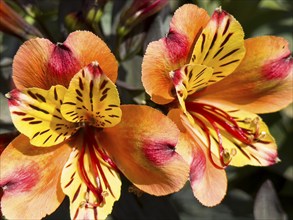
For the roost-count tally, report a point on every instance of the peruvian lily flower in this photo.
(215, 83)
(76, 138)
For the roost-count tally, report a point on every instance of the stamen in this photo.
(90, 145)
(217, 119)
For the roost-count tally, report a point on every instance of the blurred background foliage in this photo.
(127, 27)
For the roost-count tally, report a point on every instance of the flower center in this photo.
(211, 118)
(97, 156)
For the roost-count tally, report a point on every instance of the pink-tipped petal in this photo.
(51, 64)
(30, 179)
(143, 145)
(87, 47)
(208, 183)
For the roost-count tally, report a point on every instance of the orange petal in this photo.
(209, 184)
(30, 62)
(88, 47)
(189, 20)
(263, 81)
(49, 64)
(143, 145)
(30, 178)
(171, 52)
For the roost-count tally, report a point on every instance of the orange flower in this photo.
(215, 83)
(75, 137)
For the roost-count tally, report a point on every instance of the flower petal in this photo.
(49, 64)
(209, 184)
(261, 81)
(237, 137)
(30, 62)
(36, 114)
(92, 98)
(143, 146)
(171, 52)
(220, 46)
(30, 178)
(87, 47)
(190, 79)
(83, 203)
(263, 149)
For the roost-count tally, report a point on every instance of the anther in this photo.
(105, 194)
(226, 154)
(233, 152)
(262, 135)
(247, 120)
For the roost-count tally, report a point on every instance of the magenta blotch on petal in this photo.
(279, 68)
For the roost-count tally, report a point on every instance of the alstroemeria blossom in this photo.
(215, 83)
(76, 138)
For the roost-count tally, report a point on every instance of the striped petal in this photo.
(89, 201)
(263, 149)
(172, 52)
(234, 136)
(220, 46)
(92, 98)
(36, 114)
(263, 81)
(30, 179)
(143, 145)
(190, 79)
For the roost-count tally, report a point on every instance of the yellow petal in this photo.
(220, 46)
(36, 113)
(263, 81)
(30, 178)
(143, 146)
(236, 137)
(92, 98)
(84, 204)
(190, 79)
(263, 149)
